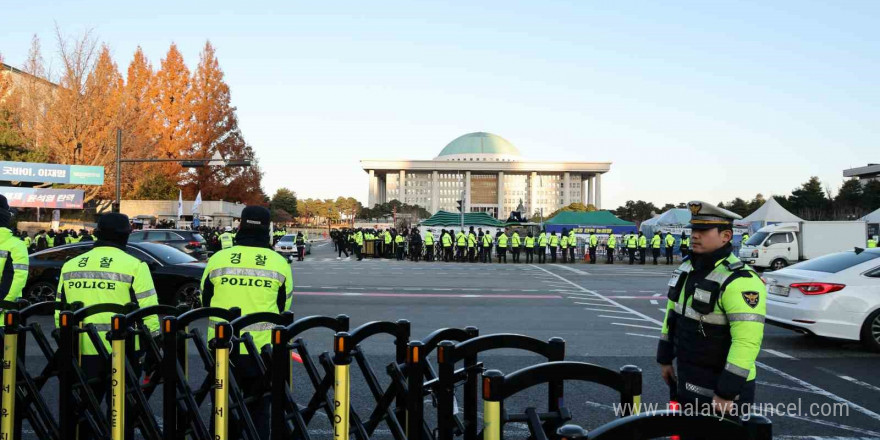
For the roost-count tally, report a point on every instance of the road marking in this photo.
(784, 387)
(593, 304)
(779, 353)
(428, 295)
(821, 391)
(606, 310)
(577, 271)
(850, 379)
(655, 301)
(644, 336)
(873, 434)
(635, 325)
(621, 317)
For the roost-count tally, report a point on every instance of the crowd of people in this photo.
(521, 244)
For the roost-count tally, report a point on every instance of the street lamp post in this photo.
(187, 163)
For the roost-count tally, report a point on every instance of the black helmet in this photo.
(113, 227)
(254, 217)
(5, 212)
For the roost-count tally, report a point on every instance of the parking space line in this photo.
(635, 325)
(779, 354)
(606, 310)
(850, 379)
(621, 317)
(592, 304)
(644, 336)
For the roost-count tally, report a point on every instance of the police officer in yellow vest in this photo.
(683, 243)
(610, 247)
(227, 239)
(593, 243)
(515, 244)
(27, 240)
(501, 239)
(486, 255)
(13, 257)
(714, 318)
(471, 244)
(554, 242)
(106, 274)
(655, 246)
(632, 244)
(253, 277)
(446, 241)
(670, 243)
(563, 245)
(572, 244)
(543, 239)
(460, 245)
(872, 242)
(429, 246)
(530, 248)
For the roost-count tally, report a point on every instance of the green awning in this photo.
(594, 218)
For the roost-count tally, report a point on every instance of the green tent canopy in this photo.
(444, 218)
(597, 218)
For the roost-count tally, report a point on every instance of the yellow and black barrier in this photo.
(10, 377)
(222, 347)
(117, 336)
(341, 390)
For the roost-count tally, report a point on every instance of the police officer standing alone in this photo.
(13, 257)
(610, 246)
(594, 243)
(670, 243)
(253, 277)
(107, 274)
(655, 247)
(714, 319)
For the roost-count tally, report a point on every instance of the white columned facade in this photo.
(374, 186)
(500, 194)
(435, 192)
(467, 192)
(590, 200)
(383, 188)
(401, 190)
(598, 191)
(533, 193)
(566, 188)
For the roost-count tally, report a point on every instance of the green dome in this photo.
(479, 143)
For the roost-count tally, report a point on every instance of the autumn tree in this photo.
(31, 95)
(285, 200)
(137, 139)
(172, 110)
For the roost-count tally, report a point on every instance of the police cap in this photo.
(708, 216)
(5, 212)
(113, 227)
(254, 217)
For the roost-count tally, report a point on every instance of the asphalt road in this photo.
(609, 315)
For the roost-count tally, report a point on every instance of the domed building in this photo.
(488, 173)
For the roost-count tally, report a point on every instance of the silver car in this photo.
(286, 246)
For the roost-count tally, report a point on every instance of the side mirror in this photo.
(153, 265)
(767, 243)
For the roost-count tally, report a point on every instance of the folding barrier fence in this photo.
(230, 388)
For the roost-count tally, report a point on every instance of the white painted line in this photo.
(441, 289)
(860, 383)
(820, 391)
(644, 336)
(528, 290)
(304, 286)
(873, 434)
(654, 301)
(606, 310)
(779, 353)
(621, 317)
(618, 291)
(784, 387)
(662, 309)
(593, 304)
(579, 272)
(635, 325)
(352, 294)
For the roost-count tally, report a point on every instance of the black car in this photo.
(190, 242)
(177, 276)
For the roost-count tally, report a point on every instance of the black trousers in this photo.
(515, 253)
(655, 252)
(632, 254)
(447, 253)
(684, 251)
(592, 254)
(399, 252)
(429, 252)
(470, 253)
(341, 248)
(416, 250)
(552, 254)
(96, 367)
(571, 254)
(502, 253)
(300, 253)
(669, 255)
(609, 254)
(486, 254)
(642, 255)
(542, 254)
(564, 253)
(530, 255)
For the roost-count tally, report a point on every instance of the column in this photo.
(435, 192)
(371, 198)
(383, 188)
(533, 193)
(583, 188)
(590, 200)
(467, 191)
(566, 188)
(598, 191)
(401, 189)
(501, 213)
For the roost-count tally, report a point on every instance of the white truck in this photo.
(776, 246)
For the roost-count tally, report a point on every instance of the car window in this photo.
(873, 273)
(833, 263)
(136, 236)
(173, 236)
(756, 239)
(139, 254)
(199, 238)
(779, 238)
(62, 254)
(166, 254)
(287, 238)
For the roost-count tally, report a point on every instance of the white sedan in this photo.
(836, 295)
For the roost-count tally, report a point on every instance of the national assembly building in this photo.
(488, 173)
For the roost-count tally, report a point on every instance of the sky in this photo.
(687, 99)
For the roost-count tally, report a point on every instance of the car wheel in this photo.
(39, 292)
(871, 331)
(778, 263)
(189, 295)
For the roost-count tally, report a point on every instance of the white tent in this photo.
(771, 212)
(873, 217)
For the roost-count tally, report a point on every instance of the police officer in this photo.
(13, 256)
(107, 274)
(300, 247)
(460, 245)
(487, 247)
(572, 244)
(446, 241)
(227, 238)
(530, 248)
(670, 243)
(714, 318)
(745, 238)
(253, 277)
(594, 243)
(872, 242)
(471, 244)
(683, 244)
(655, 247)
(563, 244)
(554, 242)
(429, 246)
(542, 247)
(400, 244)
(643, 247)
(27, 240)
(501, 238)
(515, 244)
(610, 247)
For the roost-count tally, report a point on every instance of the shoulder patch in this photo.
(751, 298)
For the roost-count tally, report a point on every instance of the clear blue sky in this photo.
(708, 100)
